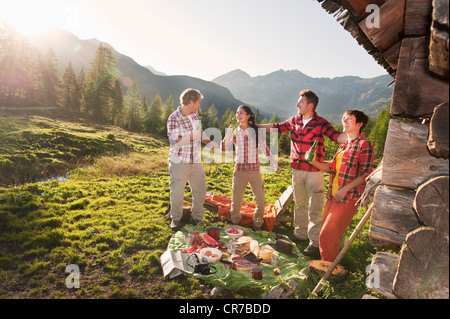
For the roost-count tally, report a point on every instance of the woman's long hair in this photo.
(251, 120)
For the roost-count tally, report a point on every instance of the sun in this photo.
(31, 17)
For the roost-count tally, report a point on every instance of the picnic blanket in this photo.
(223, 202)
(291, 267)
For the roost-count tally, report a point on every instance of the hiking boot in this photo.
(196, 222)
(175, 225)
(297, 240)
(312, 252)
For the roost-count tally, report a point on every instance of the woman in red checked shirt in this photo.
(348, 170)
(247, 167)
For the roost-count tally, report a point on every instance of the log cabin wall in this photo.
(411, 207)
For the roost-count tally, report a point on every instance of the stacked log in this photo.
(410, 209)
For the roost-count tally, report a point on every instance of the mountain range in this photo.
(274, 93)
(279, 92)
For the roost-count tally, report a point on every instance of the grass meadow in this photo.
(73, 192)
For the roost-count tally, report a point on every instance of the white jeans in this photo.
(180, 174)
(309, 199)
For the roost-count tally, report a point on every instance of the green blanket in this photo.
(291, 267)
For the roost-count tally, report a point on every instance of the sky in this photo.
(206, 38)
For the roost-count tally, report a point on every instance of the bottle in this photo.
(235, 123)
(309, 156)
(199, 124)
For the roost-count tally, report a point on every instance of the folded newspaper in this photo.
(173, 263)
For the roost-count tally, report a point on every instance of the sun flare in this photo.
(31, 17)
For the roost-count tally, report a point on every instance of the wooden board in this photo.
(417, 17)
(284, 201)
(392, 20)
(417, 92)
(439, 52)
(358, 8)
(439, 134)
(393, 217)
(431, 203)
(407, 163)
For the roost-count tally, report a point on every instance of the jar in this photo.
(257, 273)
(214, 232)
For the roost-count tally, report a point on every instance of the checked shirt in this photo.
(303, 137)
(246, 152)
(357, 161)
(179, 125)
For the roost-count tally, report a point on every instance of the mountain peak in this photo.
(237, 74)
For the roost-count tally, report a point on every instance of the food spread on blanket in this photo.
(246, 253)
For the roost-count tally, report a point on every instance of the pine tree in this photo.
(377, 135)
(15, 50)
(51, 79)
(133, 109)
(70, 90)
(211, 115)
(153, 122)
(226, 120)
(168, 110)
(100, 84)
(116, 113)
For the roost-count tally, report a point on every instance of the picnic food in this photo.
(244, 242)
(202, 241)
(241, 263)
(209, 240)
(234, 232)
(212, 255)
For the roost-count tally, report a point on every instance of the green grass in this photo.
(108, 216)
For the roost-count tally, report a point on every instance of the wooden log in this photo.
(317, 268)
(407, 163)
(431, 203)
(393, 217)
(392, 54)
(392, 20)
(358, 8)
(439, 135)
(382, 273)
(418, 18)
(385, 238)
(423, 271)
(416, 91)
(439, 52)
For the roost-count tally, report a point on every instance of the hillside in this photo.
(67, 47)
(278, 92)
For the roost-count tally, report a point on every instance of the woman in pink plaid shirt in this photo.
(247, 167)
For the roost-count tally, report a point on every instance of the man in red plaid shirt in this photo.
(185, 134)
(308, 181)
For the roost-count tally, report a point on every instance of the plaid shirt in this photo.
(303, 137)
(179, 125)
(246, 152)
(357, 161)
